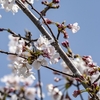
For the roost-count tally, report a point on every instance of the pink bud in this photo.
(48, 21)
(76, 93)
(56, 1)
(65, 44)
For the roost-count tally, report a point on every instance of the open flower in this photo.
(74, 27)
(42, 43)
(30, 93)
(54, 92)
(40, 61)
(9, 5)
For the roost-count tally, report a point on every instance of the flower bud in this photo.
(47, 21)
(65, 44)
(56, 1)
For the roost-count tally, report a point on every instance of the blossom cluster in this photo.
(19, 88)
(89, 70)
(61, 27)
(9, 5)
(19, 65)
(30, 55)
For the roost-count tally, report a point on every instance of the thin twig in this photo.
(18, 35)
(43, 20)
(58, 71)
(58, 35)
(79, 90)
(96, 79)
(15, 54)
(39, 80)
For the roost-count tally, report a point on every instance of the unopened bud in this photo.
(65, 44)
(47, 21)
(56, 1)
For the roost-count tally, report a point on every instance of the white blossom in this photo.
(55, 58)
(40, 61)
(11, 80)
(30, 93)
(9, 5)
(20, 66)
(50, 87)
(74, 27)
(42, 43)
(27, 81)
(14, 97)
(54, 92)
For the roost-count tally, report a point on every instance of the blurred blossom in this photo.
(27, 81)
(14, 80)
(39, 93)
(30, 93)
(11, 80)
(9, 5)
(19, 65)
(14, 97)
(54, 92)
(40, 61)
(19, 85)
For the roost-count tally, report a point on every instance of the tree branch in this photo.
(63, 55)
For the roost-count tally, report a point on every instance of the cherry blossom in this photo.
(14, 97)
(11, 80)
(40, 61)
(30, 93)
(21, 66)
(52, 54)
(54, 92)
(74, 27)
(9, 5)
(42, 43)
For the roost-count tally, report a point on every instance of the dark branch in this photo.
(39, 80)
(59, 71)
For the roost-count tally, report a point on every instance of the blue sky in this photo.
(84, 42)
